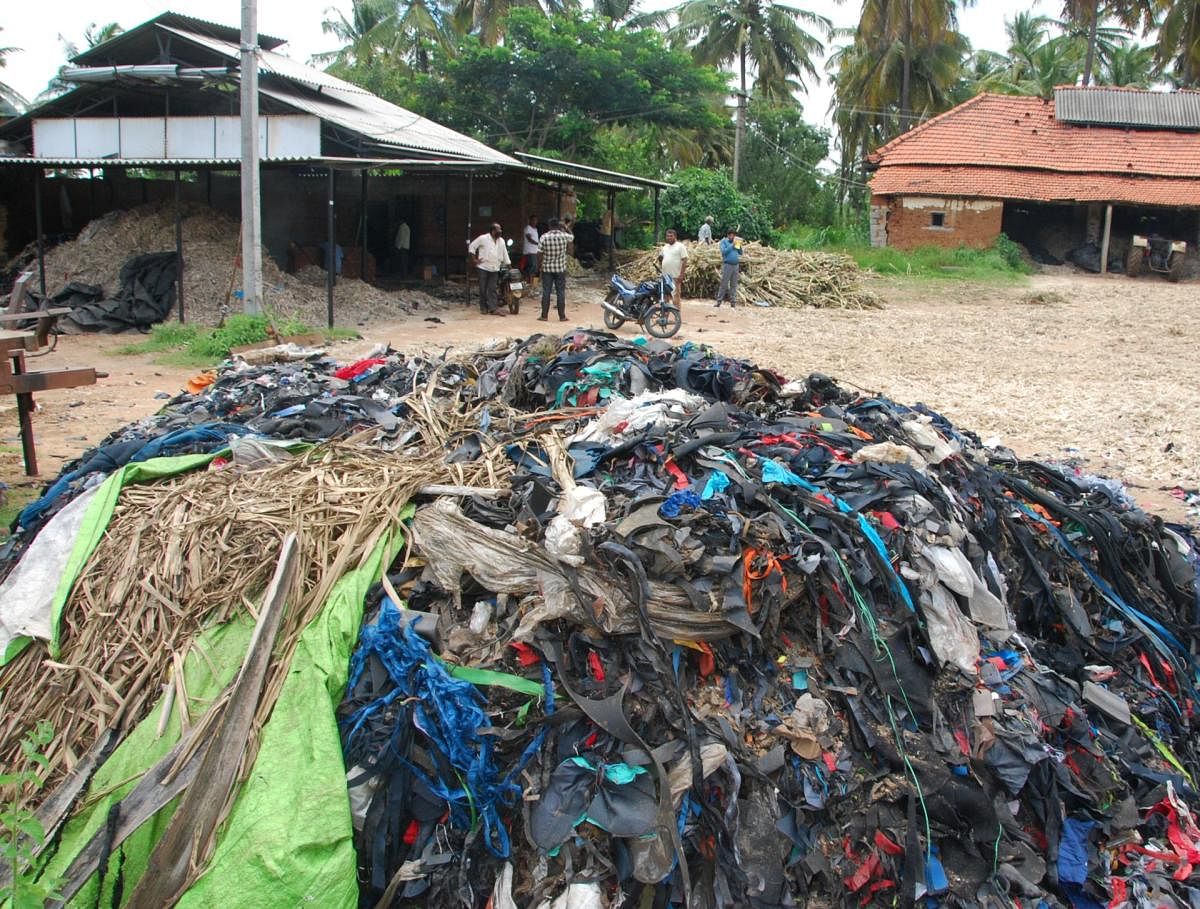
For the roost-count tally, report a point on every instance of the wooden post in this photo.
(330, 256)
(612, 229)
(39, 176)
(178, 249)
(362, 238)
(25, 417)
(1104, 241)
(445, 228)
(657, 211)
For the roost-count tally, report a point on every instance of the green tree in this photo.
(368, 31)
(1179, 40)
(782, 155)
(627, 13)
(908, 30)
(773, 38)
(700, 192)
(556, 81)
(1130, 65)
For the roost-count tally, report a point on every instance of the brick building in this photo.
(1095, 165)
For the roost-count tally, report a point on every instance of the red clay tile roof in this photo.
(1002, 146)
(1034, 185)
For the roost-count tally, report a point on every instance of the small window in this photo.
(937, 219)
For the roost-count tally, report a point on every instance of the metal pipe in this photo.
(614, 310)
(41, 230)
(329, 256)
(612, 229)
(656, 214)
(178, 248)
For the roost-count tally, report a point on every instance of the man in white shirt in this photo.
(490, 254)
(704, 235)
(403, 244)
(673, 262)
(529, 248)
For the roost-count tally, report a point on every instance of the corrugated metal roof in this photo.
(573, 169)
(100, 51)
(351, 163)
(1128, 107)
(270, 62)
(563, 176)
(387, 124)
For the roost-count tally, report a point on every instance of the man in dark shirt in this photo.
(552, 250)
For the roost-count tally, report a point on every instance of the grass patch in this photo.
(15, 498)
(190, 345)
(999, 263)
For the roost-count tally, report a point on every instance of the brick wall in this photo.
(931, 221)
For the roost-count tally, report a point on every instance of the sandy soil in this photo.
(1103, 369)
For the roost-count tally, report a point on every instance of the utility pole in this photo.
(740, 126)
(251, 210)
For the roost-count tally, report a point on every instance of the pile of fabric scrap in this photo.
(669, 630)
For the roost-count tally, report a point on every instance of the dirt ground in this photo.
(1103, 369)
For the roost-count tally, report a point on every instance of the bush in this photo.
(699, 192)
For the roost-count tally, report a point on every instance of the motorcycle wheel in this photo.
(514, 303)
(662, 320)
(611, 319)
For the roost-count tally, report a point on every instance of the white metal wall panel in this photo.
(297, 136)
(143, 137)
(97, 137)
(190, 137)
(54, 138)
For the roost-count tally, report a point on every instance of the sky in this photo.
(37, 33)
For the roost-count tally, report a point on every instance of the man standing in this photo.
(403, 244)
(553, 253)
(704, 235)
(530, 248)
(489, 254)
(673, 262)
(731, 264)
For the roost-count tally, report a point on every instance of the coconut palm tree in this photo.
(773, 39)
(626, 13)
(1179, 40)
(1129, 64)
(371, 27)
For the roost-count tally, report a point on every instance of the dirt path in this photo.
(1100, 368)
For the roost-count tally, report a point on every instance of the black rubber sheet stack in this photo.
(738, 641)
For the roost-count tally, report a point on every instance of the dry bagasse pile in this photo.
(211, 270)
(779, 277)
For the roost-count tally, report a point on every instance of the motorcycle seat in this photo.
(626, 286)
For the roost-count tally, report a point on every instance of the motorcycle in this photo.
(512, 288)
(648, 303)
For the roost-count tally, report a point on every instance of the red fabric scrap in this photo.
(886, 520)
(1120, 892)
(891, 848)
(708, 664)
(830, 761)
(357, 369)
(526, 655)
(411, 833)
(596, 666)
(681, 478)
(964, 743)
(867, 871)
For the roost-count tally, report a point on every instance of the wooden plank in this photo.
(16, 300)
(183, 850)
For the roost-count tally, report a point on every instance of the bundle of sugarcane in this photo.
(778, 277)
